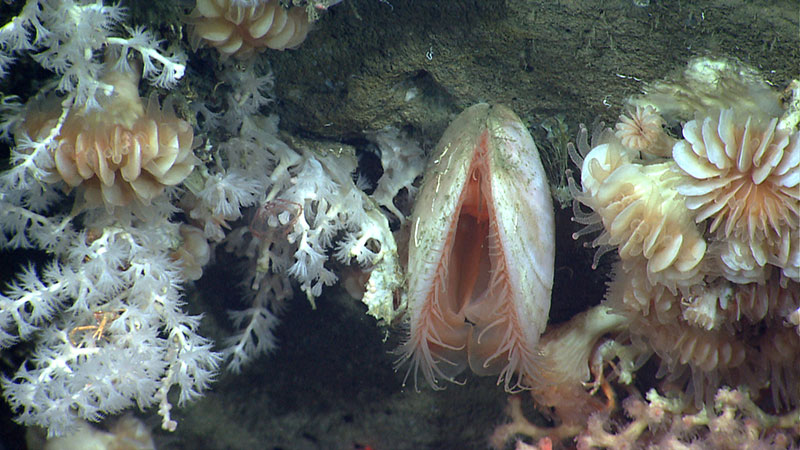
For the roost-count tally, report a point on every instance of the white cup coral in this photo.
(123, 152)
(641, 213)
(743, 175)
(707, 230)
(241, 30)
(642, 130)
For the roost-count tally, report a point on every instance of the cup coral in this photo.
(127, 150)
(716, 333)
(706, 231)
(642, 131)
(241, 30)
(743, 174)
(640, 211)
(707, 239)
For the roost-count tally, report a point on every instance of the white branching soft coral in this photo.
(105, 313)
(311, 211)
(235, 176)
(334, 214)
(307, 214)
(220, 199)
(105, 316)
(68, 37)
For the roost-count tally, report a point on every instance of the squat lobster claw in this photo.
(103, 318)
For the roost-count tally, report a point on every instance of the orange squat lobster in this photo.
(103, 318)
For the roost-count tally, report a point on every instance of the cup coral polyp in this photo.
(744, 175)
(241, 30)
(640, 211)
(642, 131)
(123, 152)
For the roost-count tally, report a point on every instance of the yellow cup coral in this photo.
(123, 152)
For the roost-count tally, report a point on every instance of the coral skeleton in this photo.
(306, 210)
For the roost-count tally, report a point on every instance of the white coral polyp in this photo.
(241, 30)
(604, 157)
(643, 215)
(743, 174)
(123, 152)
(642, 130)
(736, 262)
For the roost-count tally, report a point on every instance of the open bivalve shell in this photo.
(481, 252)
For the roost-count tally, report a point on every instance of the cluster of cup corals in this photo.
(697, 191)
